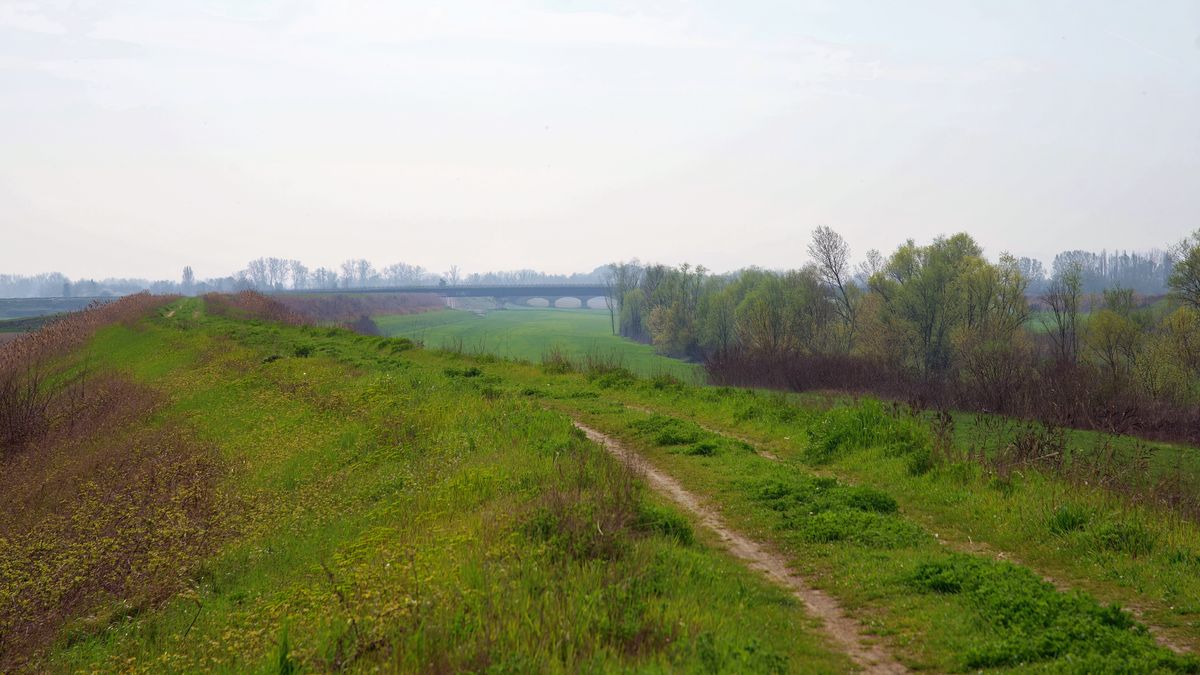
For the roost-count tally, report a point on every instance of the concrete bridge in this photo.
(516, 294)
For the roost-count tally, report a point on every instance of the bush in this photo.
(663, 430)
(701, 449)
(1068, 518)
(863, 426)
(663, 521)
(555, 362)
(1036, 624)
(1125, 537)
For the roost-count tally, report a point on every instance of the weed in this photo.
(1132, 538)
(704, 448)
(664, 521)
(862, 426)
(1036, 624)
(1068, 518)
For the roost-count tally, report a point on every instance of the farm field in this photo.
(353, 502)
(530, 334)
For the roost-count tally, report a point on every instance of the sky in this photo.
(139, 137)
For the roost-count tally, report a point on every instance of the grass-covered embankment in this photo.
(940, 556)
(362, 507)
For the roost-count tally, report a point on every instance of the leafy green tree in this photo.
(921, 288)
(1185, 276)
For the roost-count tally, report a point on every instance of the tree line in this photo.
(277, 274)
(937, 321)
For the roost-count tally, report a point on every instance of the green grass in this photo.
(410, 509)
(413, 515)
(530, 334)
(863, 552)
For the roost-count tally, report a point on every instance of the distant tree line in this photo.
(276, 274)
(941, 322)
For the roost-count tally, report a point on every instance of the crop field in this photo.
(239, 495)
(531, 334)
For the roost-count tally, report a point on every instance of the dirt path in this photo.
(970, 547)
(841, 628)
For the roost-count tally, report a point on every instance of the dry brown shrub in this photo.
(345, 309)
(102, 522)
(253, 305)
(25, 398)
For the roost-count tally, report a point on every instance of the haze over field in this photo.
(142, 137)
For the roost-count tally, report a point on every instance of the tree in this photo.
(323, 277)
(831, 255)
(188, 280)
(277, 273)
(1062, 297)
(257, 274)
(921, 288)
(990, 344)
(453, 275)
(403, 274)
(1113, 339)
(299, 275)
(1185, 276)
(620, 279)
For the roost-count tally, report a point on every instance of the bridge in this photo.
(517, 294)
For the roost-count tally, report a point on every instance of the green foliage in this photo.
(823, 510)
(866, 425)
(1185, 275)
(459, 526)
(1068, 518)
(1037, 625)
(666, 522)
(1132, 538)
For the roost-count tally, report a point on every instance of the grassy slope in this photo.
(531, 333)
(392, 512)
(869, 560)
(400, 510)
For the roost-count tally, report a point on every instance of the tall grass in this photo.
(29, 400)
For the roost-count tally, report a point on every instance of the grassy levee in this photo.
(530, 334)
(942, 560)
(370, 506)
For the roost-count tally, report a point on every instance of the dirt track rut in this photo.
(842, 629)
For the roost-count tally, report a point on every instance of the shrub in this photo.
(1132, 538)
(1034, 623)
(866, 498)
(664, 430)
(862, 426)
(26, 398)
(1068, 518)
(555, 362)
(663, 521)
(614, 378)
(701, 449)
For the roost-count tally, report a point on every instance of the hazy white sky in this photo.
(136, 137)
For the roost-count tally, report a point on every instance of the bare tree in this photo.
(257, 274)
(277, 272)
(323, 277)
(453, 275)
(188, 281)
(403, 274)
(832, 256)
(1063, 297)
(299, 274)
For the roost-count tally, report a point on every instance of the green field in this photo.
(530, 334)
